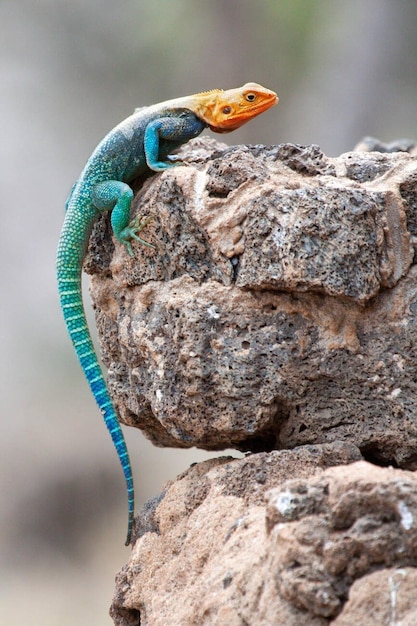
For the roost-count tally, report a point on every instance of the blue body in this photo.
(142, 142)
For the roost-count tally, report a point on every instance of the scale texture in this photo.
(140, 143)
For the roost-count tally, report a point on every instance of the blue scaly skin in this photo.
(141, 142)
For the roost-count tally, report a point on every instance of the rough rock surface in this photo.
(278, 307)
(275, 314)
(331, 545)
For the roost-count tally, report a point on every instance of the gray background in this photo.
(69, 71)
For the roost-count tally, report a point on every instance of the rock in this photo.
(383, 597)
(371, 144)
(332, 531)
(278, 307)
(275, 314)
(236, 542)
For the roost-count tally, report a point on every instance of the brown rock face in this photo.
(329, 546)
(276, 314)
(278, 308)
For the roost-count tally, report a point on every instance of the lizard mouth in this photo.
(218, 130)
(237, 118)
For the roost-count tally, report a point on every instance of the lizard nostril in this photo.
(227, 110)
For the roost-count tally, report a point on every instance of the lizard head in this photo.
(224, 111)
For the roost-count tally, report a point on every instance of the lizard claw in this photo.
(131, 232)
(176, 159)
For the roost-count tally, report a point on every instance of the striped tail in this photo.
(69, 285)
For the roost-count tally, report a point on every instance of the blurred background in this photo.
(69, 71)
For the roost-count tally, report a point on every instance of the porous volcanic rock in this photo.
(277, 307)
(234, 542)
(276, 313)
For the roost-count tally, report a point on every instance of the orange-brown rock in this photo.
(278, 307)
(236, 542)
(276, 314)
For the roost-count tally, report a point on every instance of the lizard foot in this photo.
(174, 159)
(132, 232)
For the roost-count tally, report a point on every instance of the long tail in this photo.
(69, 286)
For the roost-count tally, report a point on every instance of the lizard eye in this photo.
(250, 97)
(227, 110)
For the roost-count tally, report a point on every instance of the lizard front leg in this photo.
(115, 196)
(178, 130)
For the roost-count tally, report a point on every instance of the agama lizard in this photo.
(141, 142)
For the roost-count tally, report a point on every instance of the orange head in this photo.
(224, 111)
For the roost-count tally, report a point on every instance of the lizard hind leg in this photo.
(115, 196)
